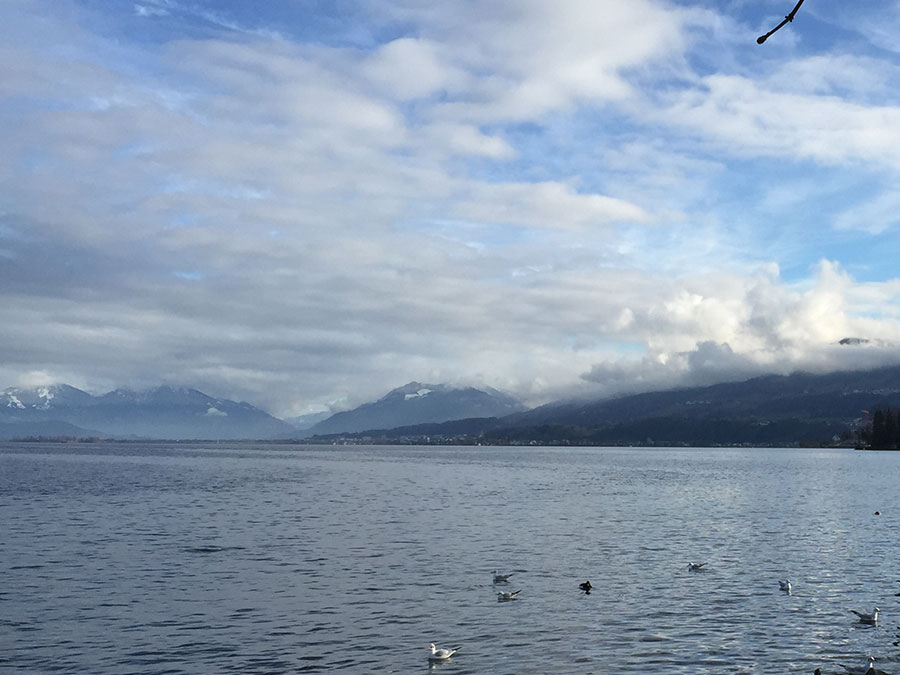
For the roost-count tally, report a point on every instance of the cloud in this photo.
(150, 10)
(413, 68)
(545, 205)
(876, 216)
(466, 139)
(754, 120)
(512, 193)
(540, 57)
(758, 326)
(708, 363)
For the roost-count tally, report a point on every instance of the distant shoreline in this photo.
(348, 442)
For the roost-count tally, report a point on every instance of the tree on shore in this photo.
(885, 430)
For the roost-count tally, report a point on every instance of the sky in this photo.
(303, 204)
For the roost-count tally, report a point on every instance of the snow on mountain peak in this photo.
(13, 401)
(44, 393)
(419, 393)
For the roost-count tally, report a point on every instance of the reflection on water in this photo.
(173, 559)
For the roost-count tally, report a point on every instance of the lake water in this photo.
(269, 559)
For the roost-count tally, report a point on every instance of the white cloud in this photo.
(466, 139)
(752, 120)
(150, 10)
(705, 330)
(410, 68)
(551, 205)
(856, 78)
(878, 215)
(514, 60)
(512, 193)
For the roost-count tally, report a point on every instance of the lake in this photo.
(156, 558)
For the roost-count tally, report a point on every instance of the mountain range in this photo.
(162, 412)
(773, 410)
(185, 413)
(768, 410)
(417, 403)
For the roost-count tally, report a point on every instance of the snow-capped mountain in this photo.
(162, 412)
(44, 398)
(417, 403)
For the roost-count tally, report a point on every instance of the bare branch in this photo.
(787, 19)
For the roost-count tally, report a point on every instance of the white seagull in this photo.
(870, 669)
(865, 617)
(508, 595)
(695, 567)
(785, 585)
(441, 654)
(501, 578)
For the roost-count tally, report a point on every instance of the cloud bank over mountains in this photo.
(302, 207)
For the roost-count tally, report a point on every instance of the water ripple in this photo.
(160, 559)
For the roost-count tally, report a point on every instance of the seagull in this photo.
(586, 586)
(785, 586)
(865, 617)
(441, 654)
(507, 596)
(872, 669)
(501, 578)
(695, 567)
(869, 670)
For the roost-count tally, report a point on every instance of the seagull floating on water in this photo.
(785, 585)
(441, 654)
(695, 567)
(508, 595)
(870, 669)
(865, 617)
(501, 578)
(586, 586)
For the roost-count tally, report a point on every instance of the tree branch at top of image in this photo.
(787, 19)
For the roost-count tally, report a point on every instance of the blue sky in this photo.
(304, 204)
